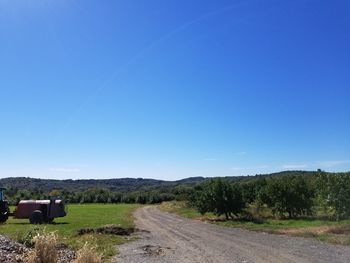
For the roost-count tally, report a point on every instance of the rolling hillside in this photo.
(120, 185)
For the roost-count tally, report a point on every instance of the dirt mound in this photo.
(108, 230)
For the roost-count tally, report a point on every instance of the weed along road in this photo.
(166, 237)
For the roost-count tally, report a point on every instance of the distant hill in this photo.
(120, 185)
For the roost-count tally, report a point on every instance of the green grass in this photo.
(337, 232)
(80, 216)
(181, 209)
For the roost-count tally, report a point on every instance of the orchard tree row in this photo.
(286, 196)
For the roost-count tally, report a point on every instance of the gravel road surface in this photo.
(166, 237)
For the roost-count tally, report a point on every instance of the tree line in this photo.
(101, 195)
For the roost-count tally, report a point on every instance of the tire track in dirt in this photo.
(170, 238)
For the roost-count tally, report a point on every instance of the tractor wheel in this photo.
(4, 211)
(36, 217)
(3, 217)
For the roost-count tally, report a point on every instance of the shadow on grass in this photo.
(47, 224)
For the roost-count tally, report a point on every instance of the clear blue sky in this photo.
(173, 89)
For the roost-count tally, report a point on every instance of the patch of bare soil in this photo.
(108, 229)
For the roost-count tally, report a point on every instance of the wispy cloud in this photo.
(333, 163)
(294, 166)
(65, 170)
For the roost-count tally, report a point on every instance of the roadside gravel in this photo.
(167, 237)
(14, 252)
(11, 251)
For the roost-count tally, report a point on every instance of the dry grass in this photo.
(305, 230)
(44, 249)
(88, 254)
(338, 230)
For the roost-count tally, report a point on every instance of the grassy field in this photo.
(80, 216)
(336, 232)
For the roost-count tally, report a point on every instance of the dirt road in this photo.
(170, 238)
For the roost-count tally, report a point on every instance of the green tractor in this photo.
(4, 207)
